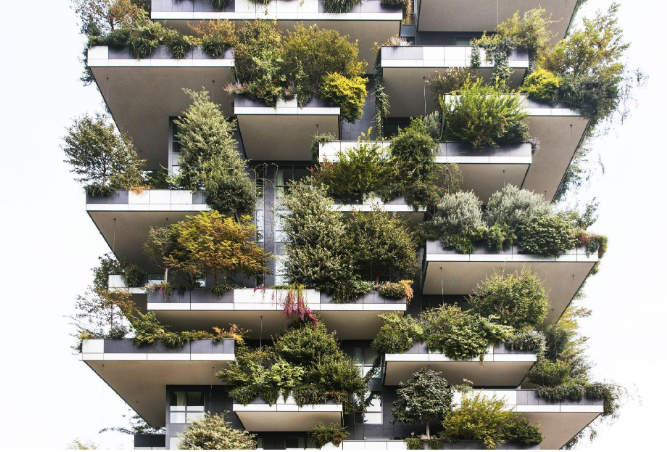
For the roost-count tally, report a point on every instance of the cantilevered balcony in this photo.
(485, 15)
(139, 375)
(261, 310)
(485, 171)
(560, 421)
(405, 69)
(283, 133)
(286, 416)
(501, 366)
(398, 206)
(447, 272)
(368, 21)
(142, 94)
(125, 217)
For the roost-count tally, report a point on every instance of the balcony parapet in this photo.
(444, 57)
(101, 56)
(151, 199)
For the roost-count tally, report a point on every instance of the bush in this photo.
(318, 139)
(332, 433)
(486, 419)
(143, 41)
(216, 37)
(414, 443)
(548, 235)
(515, 299)
(413, 151)
(339, 6)
(457, 221)
(395, 290)
(402, 3)
(213, 432)
(448, 80)
(178, 44)
(311, 53)
(515, 207)
(347, 93)
(549, 373)
(527, 341)
(542, 86)
(460, 335)
(484, 116)
(397, 334)
(500, 237)
(258, 52)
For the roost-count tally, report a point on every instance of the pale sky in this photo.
(49, 244)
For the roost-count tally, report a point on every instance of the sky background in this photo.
(48, 244)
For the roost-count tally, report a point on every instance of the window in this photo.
(463, 41)
(295, 443)
(174, 148)
(284, 175)
(185, 406)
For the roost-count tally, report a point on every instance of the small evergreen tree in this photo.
(425, 397)
(213, 432)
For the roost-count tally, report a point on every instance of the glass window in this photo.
(463, 41)
(295, 443)
(195, 400)
(176, 417)
(260, 443)
(373, 418)
(173, 442)
(185, 406)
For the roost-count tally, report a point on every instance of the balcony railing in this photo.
(444, 57)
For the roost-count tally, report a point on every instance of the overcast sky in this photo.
(48, 242)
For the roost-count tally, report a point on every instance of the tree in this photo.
(79, 444)
(516, 299)
(515, 207)
(100, 17)
(380, 245)
(159, 246)
(210, 159)
(210, 244)
(213, 432)
(104, 159)
(137, 426)
(315, 237)
(425, 397)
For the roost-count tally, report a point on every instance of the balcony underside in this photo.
(126, 231)
(399, 369)
(143, 94)
(405, 88)
(286, 418)
(486, 179)
(458, 15)
(559, 428)
(456, 274)
(140, 378)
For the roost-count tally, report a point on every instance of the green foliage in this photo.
(516, 299)
(220, 4)
(424, 397)
(339, 6)
(527, 341)
(213, 432)
(258, 57)
(457, 221)
(461, 335)
(412, 152)
(401, 3)
(159, 246)
(380, 245)
(449, 80)
(414, 443)
(158, 179)
(515, 208)
(210, 159)
(347, 93)
(311, 53)
(549, 373)
(395, 290)
(222, 289)
(542, 86)
(143, 41)
(178, 44)
(103, 159)
(210, 244)
(216, 37)
(315, 235)
(320, 138)
(484, 116)
(488, 420)
(433, 124)
(500, 237)
(397, 334)
(331, 433)
(100, 17)
(359, 171)
(548, 235)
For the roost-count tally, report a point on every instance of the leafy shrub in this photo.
(320, 138)
(339, 6)
(542, 86)
(593, 243)
(258, 52)
(488, 420)
(222, 289)
(348, 93)
(414, 443)
(359, 171)
(433, 124)
(448, 80)
(401, 3)
(213, 432)
(527, 341)
(435, 443)
(500, 237)
(117, 38)
(143, 41)
(515, 299)
(412, 150)
(460, 335)
(573, 391)
(515, 207)
(332, 433)
(548, 235)
(178, 44)
(220, 4)
(216, 37)
(394, 290)
(458, 214)
(549, 373)
(483, 115)
(311, 53)
(397, 334)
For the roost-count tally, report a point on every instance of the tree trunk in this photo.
(428, 432)
(166, 274)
